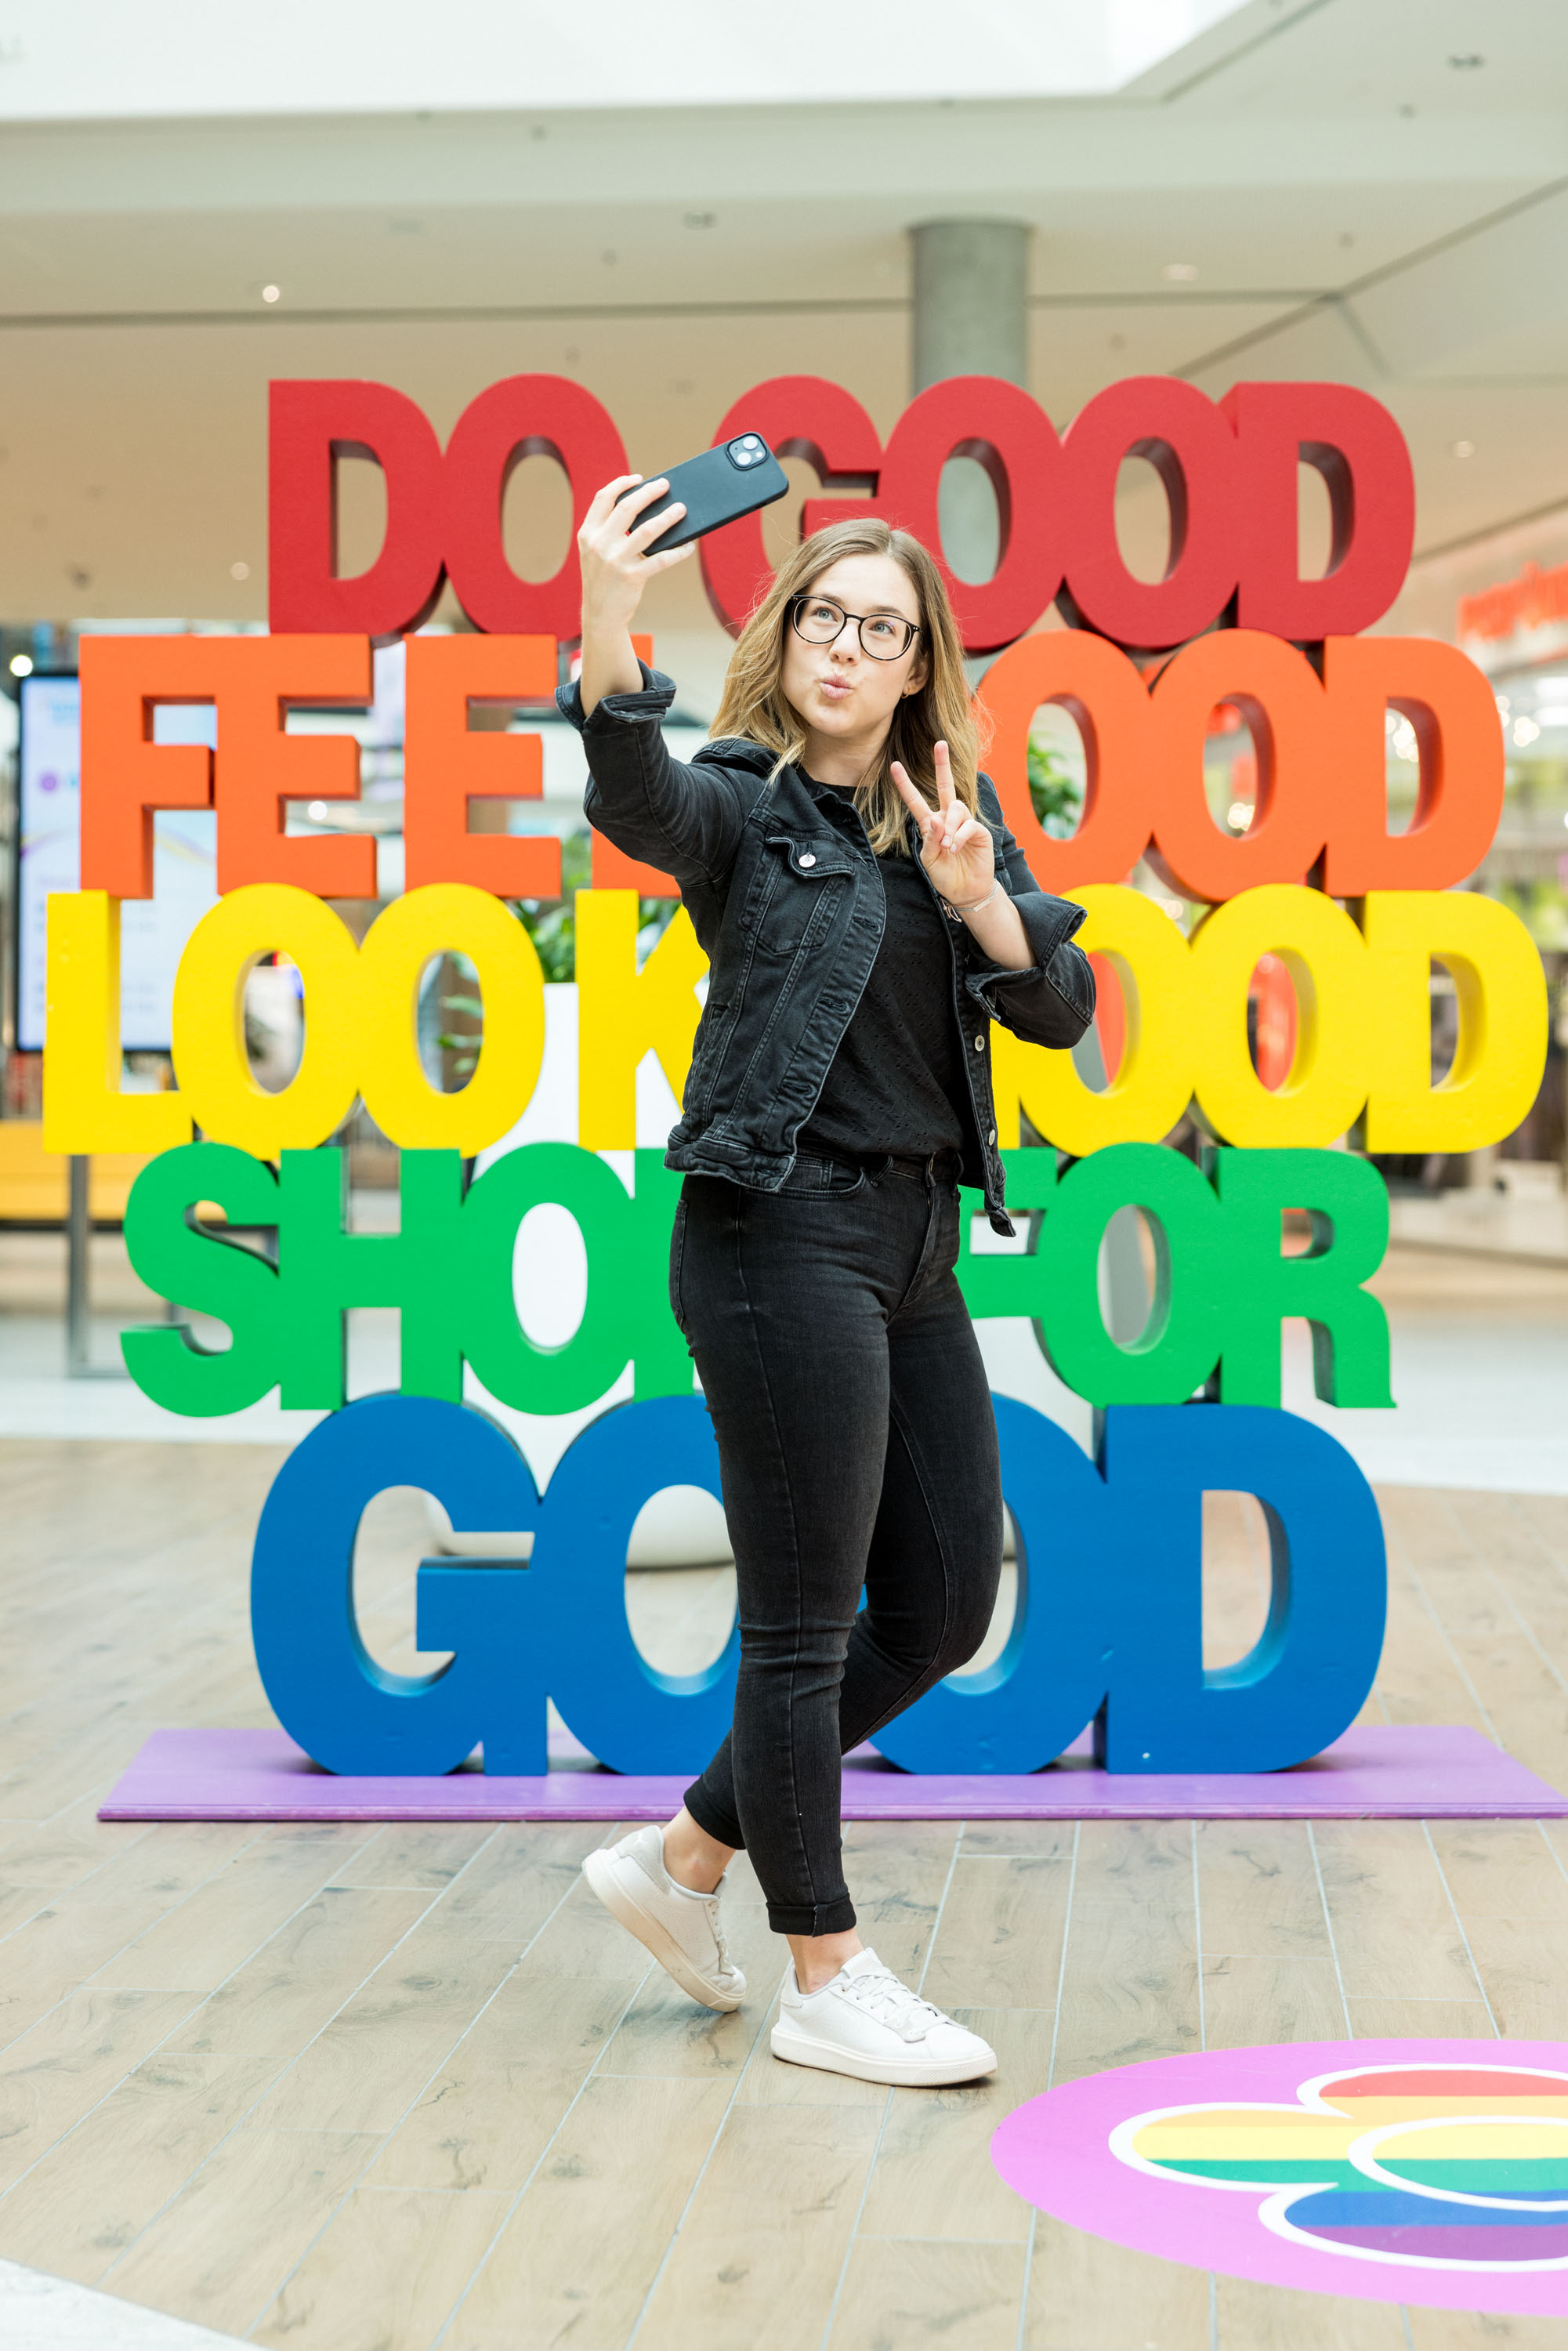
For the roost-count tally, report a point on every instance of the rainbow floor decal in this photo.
(1419, 2171)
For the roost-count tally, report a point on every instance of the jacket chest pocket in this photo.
(806, 875)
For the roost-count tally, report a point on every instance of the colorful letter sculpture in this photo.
(1222, 1288)
(1314, 892)
(1108, 1624)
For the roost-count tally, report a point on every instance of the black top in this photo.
(897, 1082)
(787, 976)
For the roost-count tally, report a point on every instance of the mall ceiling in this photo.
(1370, 189)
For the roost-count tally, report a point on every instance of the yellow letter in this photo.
(84, 1109)
(1153, 1085)
(624, 1013)
(1322, 949)
(209, 1020)
(1501, 1051)
(448, 917)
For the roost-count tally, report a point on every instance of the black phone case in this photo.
(715, 490)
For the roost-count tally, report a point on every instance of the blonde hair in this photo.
(940, 711)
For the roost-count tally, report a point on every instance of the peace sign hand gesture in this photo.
(955, 848)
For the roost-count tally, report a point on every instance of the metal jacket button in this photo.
(979, 1044)
(807, 859)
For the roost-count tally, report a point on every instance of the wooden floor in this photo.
(351, 2089)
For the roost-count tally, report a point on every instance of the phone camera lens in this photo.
(748, 451)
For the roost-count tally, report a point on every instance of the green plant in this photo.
(1056, 792)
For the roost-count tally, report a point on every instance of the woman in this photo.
(839, 1090)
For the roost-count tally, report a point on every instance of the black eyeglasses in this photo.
(821, 621)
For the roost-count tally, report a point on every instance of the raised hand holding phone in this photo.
(612, 548)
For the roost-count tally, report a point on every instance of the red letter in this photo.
(445, 765)
(1354, 442)
(1009, 434)
(797, 416)
(523, 416)
(311, 425)
(1449, 704)
(1192, 450)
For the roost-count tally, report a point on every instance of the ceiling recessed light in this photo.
(239, 572)
(1181, 272)
(1462, 449)
(21, 664)
(272, 293)
(318, 811)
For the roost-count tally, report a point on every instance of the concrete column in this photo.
(971, 318)
(971, 278)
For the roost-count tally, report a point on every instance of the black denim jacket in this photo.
(785, 896)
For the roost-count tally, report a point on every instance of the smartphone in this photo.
(719, 487)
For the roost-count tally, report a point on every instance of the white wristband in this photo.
(976, 906)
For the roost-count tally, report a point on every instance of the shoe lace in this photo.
(887, 1999)
(710, 1904)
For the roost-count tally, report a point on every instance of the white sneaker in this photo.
(680, 1927)
(868, 2023)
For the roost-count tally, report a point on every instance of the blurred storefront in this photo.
(1503, 599)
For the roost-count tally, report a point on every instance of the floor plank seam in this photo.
(702, 2173)
(386, 2138)
(1520, 1618)
(266, 2091)
(592, 2075)
(85, 1983)
(1441, 1630)
(1459, 1924)
(158, 2049)
(1061, 1961)
(1328, 1930)
(1541, 1830)
(1548, 1547)
(64, 1892)
(1197, 1938)
(831, 2319)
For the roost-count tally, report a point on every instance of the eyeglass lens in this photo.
(882, 635)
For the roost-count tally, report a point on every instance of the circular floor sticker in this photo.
(1421, 2171)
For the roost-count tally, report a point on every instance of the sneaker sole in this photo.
(599, 1872)
(908, 2074)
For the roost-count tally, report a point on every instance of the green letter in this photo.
(191, 1264)
(1347, 1201)
(1175, 1351)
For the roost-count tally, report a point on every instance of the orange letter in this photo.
(446, 766)
(259, 767)
(1103, 691)
(1276, 692)
(1449, 704)
(251, 680)
(125, 776)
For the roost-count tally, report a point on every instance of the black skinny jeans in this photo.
(858, 1447)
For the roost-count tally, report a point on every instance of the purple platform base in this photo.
(1373, 1773)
